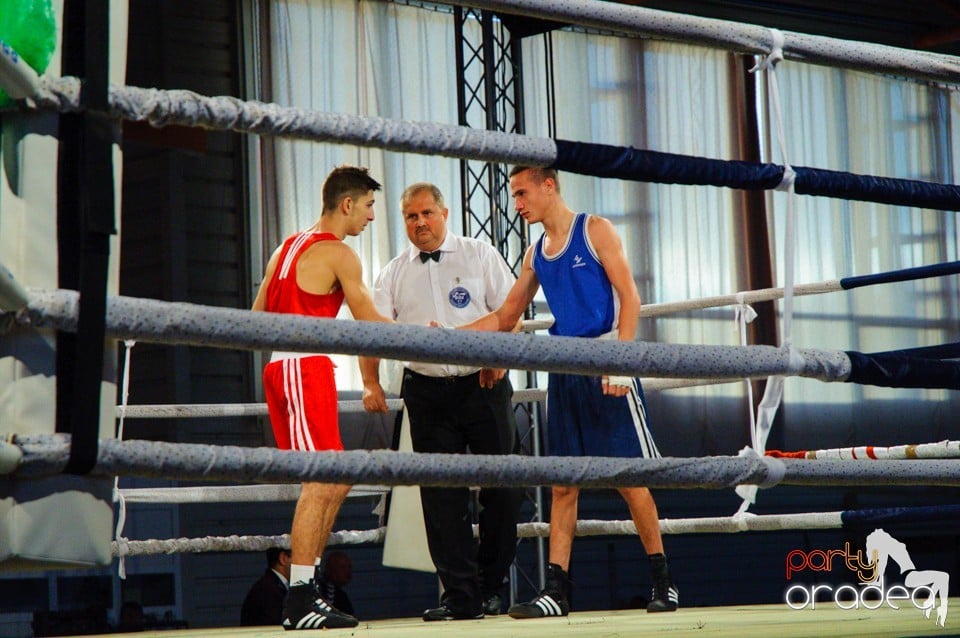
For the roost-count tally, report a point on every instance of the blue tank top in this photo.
(576, 286)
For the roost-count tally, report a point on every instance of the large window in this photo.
(866, 124)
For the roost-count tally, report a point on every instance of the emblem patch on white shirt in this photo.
(459, 297)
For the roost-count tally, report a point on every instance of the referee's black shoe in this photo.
(445, 613)
(492, 605)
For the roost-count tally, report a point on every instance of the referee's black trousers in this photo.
(455, 415)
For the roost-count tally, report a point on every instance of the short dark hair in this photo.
(273, 555)
(346, 181)
(538, 174)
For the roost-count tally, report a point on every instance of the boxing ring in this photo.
(266, 474)
(753, 621)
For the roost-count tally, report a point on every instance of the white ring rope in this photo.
(716, 301)
(707, 525)
(190, 324)
(939, 450)
(206, 410)
(163, 107)
(203, 410)
(236, 543)
(45, 455)
(731, 36)
(748, 296)
(232, 493)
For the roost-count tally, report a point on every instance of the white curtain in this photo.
(679, 240)
(358, 58)
(871, 125)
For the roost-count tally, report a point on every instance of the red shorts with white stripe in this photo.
(302, 399)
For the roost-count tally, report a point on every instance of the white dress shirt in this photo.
(470, 280)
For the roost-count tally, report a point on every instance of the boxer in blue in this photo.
(586, 278)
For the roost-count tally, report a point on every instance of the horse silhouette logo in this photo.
(882, 548)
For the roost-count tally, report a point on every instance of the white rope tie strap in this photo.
(743, 313)
(773, 391)
(789, 180)
(118, 495)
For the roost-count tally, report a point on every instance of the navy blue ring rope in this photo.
(601, 160)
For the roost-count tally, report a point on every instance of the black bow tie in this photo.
(424, 256)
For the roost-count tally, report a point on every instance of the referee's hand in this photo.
(489, 377)
(373, 398)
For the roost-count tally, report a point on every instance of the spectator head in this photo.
(338, 568)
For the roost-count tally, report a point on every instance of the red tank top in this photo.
(283, 293)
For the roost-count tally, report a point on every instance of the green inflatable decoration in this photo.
(29, 27)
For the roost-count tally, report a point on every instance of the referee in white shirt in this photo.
(452, 280)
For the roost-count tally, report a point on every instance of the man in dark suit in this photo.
(264, 602)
